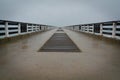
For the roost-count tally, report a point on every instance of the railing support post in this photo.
(6, 29)
(93, 29)
(87, 28)
(27, 28)
(32, 28)
(19, 28)
(35, 28)
(101, 29)
(114, 30)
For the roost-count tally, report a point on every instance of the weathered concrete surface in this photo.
(99, 60)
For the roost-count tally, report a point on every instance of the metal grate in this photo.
(59, 42)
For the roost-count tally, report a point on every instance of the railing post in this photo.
(87, 28)
(101, 29)
(19, 28)
(38, 27)
(6, 29)
(35, 28)
(93, 29)
(27, 28)
(114, 30)
(32, 28)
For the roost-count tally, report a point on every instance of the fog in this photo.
(60, 12)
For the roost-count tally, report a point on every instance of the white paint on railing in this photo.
(19, 28)
(3, 36)
(2, 26)
(117, 26)
(105, 35)
(114, 30)
(12, 26)
(6, 29)
(117, 32)
(101, 29)
(16, 30)
(108, 31)
(107, 26)
(2, 31)
(12, 35)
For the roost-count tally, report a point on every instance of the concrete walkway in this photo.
(99, 59)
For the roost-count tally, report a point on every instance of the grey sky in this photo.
(60, 12)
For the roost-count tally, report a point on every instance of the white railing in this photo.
(91, 29)
(12, 28)
(109, 29)
(117, 32)
(2, 31)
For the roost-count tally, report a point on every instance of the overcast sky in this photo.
(60, 12)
